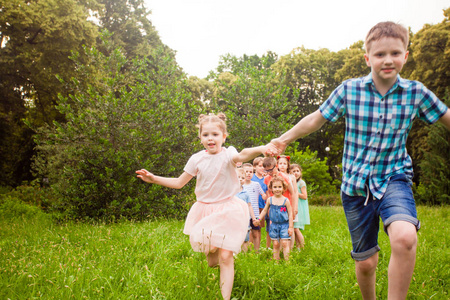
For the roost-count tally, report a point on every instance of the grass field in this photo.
(154, 260)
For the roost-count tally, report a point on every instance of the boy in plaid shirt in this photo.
(379, 110)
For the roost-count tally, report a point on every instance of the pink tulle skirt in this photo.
(221, 224)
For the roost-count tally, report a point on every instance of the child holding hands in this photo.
(244, 196)
(218, 222)
(377, 171)
(282, 226)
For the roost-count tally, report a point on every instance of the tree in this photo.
(36, 39)
(257, 110)
(429, 63)
(126, 119)
(434, 187)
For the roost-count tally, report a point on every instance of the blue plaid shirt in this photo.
(376, 129)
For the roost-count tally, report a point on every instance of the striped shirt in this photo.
(254, 190)
(376, 129)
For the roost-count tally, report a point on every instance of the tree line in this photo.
(89, 94)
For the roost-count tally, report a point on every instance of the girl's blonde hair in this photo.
(218, 119)
(278, 178)
(300, 168)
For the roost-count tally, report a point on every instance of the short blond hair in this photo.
(387, 29)
(257, 160)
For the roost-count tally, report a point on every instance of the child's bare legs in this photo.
(244, 247)
(268, 239)
(366, 275)
(213, 258)
(226, 263)
(223, 258)
(286, 244)
(299, 239)
(276, 249)
(403, 239)
(256, 233)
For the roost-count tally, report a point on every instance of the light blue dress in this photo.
(303, 209)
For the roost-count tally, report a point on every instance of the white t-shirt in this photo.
(254, 190)
(216, 175)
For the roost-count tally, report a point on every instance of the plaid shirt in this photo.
(376, 129)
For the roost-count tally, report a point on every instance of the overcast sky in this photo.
(200, 31)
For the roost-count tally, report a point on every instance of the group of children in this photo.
(377, 170)
(265, 187)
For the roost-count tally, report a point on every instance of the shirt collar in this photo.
(403, 83)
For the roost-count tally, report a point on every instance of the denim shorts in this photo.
(363, 218)
(279, 231)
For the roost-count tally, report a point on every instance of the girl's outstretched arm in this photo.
(250, 153)
(174, 183)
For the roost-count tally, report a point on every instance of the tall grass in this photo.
(154, 260)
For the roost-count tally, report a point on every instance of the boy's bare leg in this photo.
(366, 276)
(244, 247)
(256, 239)
(403, 239)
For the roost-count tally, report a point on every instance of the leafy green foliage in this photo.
(434, 187)
(315, 173)
(257, 110)
(127, 119)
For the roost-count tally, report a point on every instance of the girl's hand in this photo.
(290, 231)
(279, 145)
(255, 223)
(271, 150)
(145, 176)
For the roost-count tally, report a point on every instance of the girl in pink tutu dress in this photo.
(217, 223)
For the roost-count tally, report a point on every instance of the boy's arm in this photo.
(174, 183)
(445, 119)
(291, 219)
(252, 213)
(305, 126)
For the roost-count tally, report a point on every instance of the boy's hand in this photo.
(278, 145)
(145, 176)
(271, 150)
(255, 223)
(290, 231)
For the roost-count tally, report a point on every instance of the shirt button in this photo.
(381, 116)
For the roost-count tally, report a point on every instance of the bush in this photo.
(325, 200)
(123, 116)
(315, 173)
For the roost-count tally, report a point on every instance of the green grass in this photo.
(154, 260)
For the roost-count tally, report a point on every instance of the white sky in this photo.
(200, 31)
